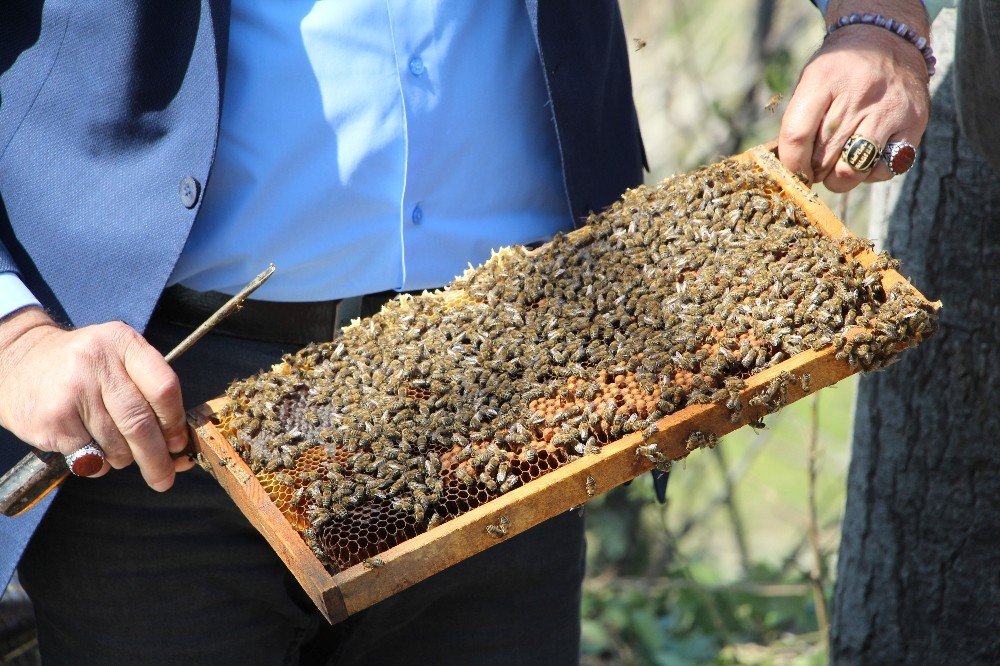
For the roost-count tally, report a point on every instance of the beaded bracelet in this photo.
(901, 29)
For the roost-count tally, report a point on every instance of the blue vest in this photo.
(109, 109)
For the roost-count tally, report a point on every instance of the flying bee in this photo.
(639, 43)
(773, 103)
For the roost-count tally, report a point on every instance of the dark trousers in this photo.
(120, 574)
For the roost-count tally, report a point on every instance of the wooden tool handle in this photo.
(40, 472)
(31, 479)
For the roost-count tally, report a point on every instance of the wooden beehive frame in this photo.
(351, 590)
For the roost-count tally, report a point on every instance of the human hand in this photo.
(863, 80)
(59, 389)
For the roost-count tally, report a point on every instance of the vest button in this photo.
(189, 191)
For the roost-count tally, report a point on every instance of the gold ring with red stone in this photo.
(899, 156)
(86, 461)
(860, 153)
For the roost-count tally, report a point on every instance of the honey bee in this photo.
(591, 486)
(699, 440)
(806, 381)
(500, 529)
(318, 517)
(311, 539)
(373, 563)
(639, 43)
(651, 452)
(773, 103)
(509, 483)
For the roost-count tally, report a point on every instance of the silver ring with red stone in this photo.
(899, 156)
(87, 461)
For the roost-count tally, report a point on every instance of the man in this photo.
(364, 149)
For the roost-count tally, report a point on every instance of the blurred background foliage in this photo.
(734, 569)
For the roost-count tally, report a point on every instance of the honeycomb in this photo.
(439, 403)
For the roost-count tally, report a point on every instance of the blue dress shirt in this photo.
(369, 146)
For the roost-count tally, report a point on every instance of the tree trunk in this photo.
(918, 577)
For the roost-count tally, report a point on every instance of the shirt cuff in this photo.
(14, 295)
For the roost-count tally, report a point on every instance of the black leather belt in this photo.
(267, 321)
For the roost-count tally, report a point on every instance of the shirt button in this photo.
(416, 66)
(417, 215)
(189, 191)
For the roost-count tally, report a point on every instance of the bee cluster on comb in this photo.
(439, 403)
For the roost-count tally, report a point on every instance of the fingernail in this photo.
(177, 443)
(161, 486)
(183, 464)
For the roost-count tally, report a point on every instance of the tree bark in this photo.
(918, 579)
